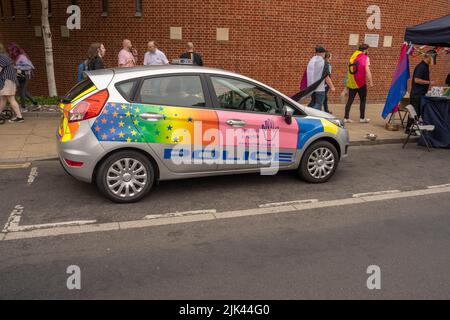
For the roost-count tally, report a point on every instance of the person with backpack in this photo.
(8, 78)
(358, 75)
(96, 53)
(24, 68)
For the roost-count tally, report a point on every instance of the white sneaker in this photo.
(348, 121)
(364, 120)
(36, 107)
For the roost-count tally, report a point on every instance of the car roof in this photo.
(103, 77)
(133, 71)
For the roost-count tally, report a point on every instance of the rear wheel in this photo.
(126, 176)
(319, 162)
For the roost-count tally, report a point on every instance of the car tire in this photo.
(319, 162)
(125, 176)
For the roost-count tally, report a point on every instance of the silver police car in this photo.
(125, 129)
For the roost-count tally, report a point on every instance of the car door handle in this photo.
(236, 123)
(151, 116)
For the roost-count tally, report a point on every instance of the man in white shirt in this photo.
(154, 57)
(315, 72)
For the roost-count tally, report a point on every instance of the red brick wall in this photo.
(270, 40)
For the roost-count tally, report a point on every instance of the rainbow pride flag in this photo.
(399, 84)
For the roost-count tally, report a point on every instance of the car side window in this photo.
(235, 94)
(184, 91)
(126, 89)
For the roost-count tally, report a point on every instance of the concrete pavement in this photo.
(35, 138)
(358, 131)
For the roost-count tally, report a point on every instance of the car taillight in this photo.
(89, 108)
(72, 163)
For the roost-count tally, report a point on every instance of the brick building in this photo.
(269, 40)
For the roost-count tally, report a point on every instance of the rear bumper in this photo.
(84, 148)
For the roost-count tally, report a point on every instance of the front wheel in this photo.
(126, 176)
(319, 162)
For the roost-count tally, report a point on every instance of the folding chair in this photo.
(402, 114)
(417, 126)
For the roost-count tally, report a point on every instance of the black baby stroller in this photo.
(6, 114)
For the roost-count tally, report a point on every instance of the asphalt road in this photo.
(317, 253)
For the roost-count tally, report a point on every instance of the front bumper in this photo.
(344, 142)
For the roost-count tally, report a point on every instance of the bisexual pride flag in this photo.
(399, 84)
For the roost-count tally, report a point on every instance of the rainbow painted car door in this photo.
(254, 134)
(254, 140)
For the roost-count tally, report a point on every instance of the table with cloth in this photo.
(436, 111)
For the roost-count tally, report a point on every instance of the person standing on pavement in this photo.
(96, 53)
(420, 83)
(8, 78)
(318, 71)
(154, 56)
(191, 54)
(328, 56)
(24, 68)
(128, 55)
(358, 75)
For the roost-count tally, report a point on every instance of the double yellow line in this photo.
(15, 165)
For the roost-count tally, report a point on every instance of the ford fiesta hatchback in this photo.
(125, 129)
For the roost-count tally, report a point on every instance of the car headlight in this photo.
(337, 122)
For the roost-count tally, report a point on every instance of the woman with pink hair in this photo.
(24, 68)
(8, 79)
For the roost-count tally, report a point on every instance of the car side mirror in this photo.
(288, 112)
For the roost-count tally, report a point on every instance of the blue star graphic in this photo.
(169, 128)
(190, 119)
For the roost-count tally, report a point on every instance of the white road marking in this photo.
(439, 186)
(54, 225)
(180, 214)
(287, 203)
(32, 176)
(361, 195)
(15, 165)
(145, 223)
(14, 219)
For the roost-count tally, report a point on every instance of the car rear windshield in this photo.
(82, 88)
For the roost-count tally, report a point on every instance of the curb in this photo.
(382, 142)
(29, 159)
